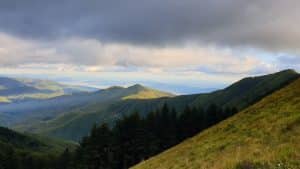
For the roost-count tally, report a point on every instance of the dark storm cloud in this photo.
(269, 24)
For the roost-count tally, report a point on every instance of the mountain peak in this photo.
(139, 91)
(115, 87)
(289, 71)
(138, 87)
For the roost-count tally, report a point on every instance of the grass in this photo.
(36, 95)
(265, 135)
(148, 94)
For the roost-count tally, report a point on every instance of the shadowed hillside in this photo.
(31, 143)
(20, 151)
(265, 135)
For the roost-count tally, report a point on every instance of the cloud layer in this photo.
(226, 39)
(268, 24)
(94, 56)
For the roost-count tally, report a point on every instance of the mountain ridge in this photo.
(22, 111)
(79, 112)
(82, 119)
(262, 136)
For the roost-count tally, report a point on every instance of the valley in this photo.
(230, 121)
(79, 112)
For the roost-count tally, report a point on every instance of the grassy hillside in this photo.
(265, 135)
(141, 92)
(248, 90)
(4, 100)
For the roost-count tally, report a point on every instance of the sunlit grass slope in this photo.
(265, 135)
(4, 100)
(146, 93)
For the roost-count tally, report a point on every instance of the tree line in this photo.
(10, 158)
(131, 140)
(135, 138)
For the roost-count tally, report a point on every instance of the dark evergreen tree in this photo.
(212, 114)
(64, 161)
(133, 139)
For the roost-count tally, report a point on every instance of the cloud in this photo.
(266, 24)
(288, 61)
(14, 51)
(93, 56)
(169, 40)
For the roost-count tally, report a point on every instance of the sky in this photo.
(180, 46)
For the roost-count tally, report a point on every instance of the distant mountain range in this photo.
(20, 89)
(72, 116)
(265, 135)
(29, 111)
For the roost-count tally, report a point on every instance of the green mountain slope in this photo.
(18, 151)
(265, 135)
(71, 110)
(55, 86)
(240, 94)
(31, 143)
(20, 89)
(248, 90)
(141, 92)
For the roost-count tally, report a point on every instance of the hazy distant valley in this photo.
(79, 108)
(49, 116)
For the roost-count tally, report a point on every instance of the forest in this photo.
(131, 140)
